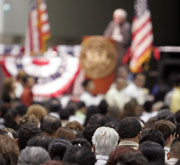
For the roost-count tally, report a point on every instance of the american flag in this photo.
(142, 36)
(38, 31)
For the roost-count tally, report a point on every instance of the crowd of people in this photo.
(126, 126)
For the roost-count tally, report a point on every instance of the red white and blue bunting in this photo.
(54, 72)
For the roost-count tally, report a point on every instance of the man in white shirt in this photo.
(135, 89)
(116, 96)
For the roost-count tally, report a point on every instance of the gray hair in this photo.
(105, 140)
(120, 13)
(33, 156)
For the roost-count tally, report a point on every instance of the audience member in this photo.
(153, 152)
(167, 128)
(9, 149)
(65, 133)
(152, 135)
(129, 132)
(79, 155)
(58, 147)
(27, 95)
(33, 156)
(104, 141)
(26, 132)
(37, 110)
(49, 125)
(39, 141)
(89, 131)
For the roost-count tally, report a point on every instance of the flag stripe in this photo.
(142, 37)
(38, 28)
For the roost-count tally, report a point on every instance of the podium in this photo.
(99, 59)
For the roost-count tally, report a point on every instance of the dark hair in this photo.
(167, 115)
(152, 135)
(89, 131)
(40, 141)
(103, 107)
(26, 132)
(81, 104)
(148, 106)
(54, 105)
(82, 142)
(129, 127)
(10, 119)
(112, 124)
(86, 82)
(166, 127)
(21, 109)
(97, 119)
(58, 147)
(91, 110)
(153, 152)
(177, 115)
(50, 124)
(79, 155)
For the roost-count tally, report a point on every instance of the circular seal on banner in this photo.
(98, 57)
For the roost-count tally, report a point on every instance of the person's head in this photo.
(112, 124)
(66, 133)
(153, 152)
(167, 115)
(26, 132)
(10, 119)
(97, 119)
(33, 155)
(152, 135)
(129, 128)
(167, 128)
(139, 80)
(29, 119)
(105, 140)
(28, 81)
(148, 106)
(89, 131)
(79, 155)
(58, 147)
(119, 16)
(121, 83)
(82, 142)
(123, 72)
(39, 141)
(9, 149)
(21, 74)
(126, 156)
(38, 110)
(91, 110)
(75, 125)
(175, 149)
(103, 107)
(11, 131)
(88, 85)
(49, 125)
